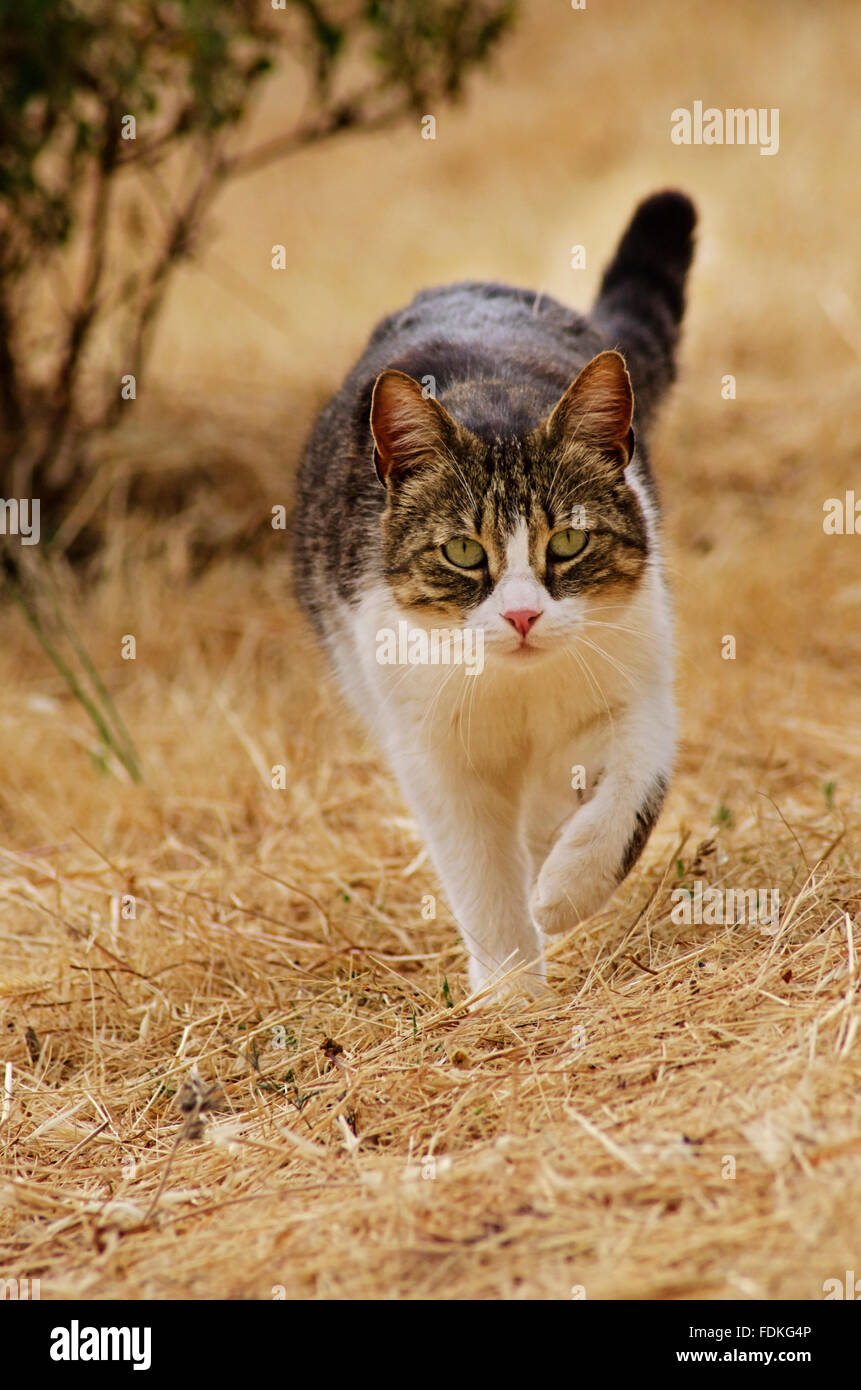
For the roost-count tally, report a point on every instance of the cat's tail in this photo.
(642, 296)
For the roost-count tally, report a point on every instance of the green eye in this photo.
(565, 544)
(464, 552)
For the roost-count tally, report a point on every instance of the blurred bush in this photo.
(97, 100)
(118, 127)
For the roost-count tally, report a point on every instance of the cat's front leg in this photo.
(601, 841)
(471, 829)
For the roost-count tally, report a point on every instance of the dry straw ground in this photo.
(370, 1137)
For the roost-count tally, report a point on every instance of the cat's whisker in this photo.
(551, 491)
(426, 722)
(604, 608)
(593, 681)
(458, 472)
(623, 671)
(465, 698)
(610, 656)
(620, 627)
(389, 694)
(472, 696)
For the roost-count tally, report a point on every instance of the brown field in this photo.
(432, 1152)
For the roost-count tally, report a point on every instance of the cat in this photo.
(478, 472)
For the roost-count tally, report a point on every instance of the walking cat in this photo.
(478, 475)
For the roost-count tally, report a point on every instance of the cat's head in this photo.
(523, 536)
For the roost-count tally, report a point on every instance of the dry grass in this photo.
(370, 1137)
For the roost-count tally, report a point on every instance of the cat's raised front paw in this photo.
(569, 889)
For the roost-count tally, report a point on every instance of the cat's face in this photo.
(527, 539)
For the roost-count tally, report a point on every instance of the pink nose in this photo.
(521, 618)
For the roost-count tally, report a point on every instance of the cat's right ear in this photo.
(408, 427)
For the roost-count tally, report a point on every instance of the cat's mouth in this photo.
(525, 651)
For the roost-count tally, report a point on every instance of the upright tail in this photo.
(642, 296)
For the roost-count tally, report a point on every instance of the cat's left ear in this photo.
(409, 428)
(597, 409)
